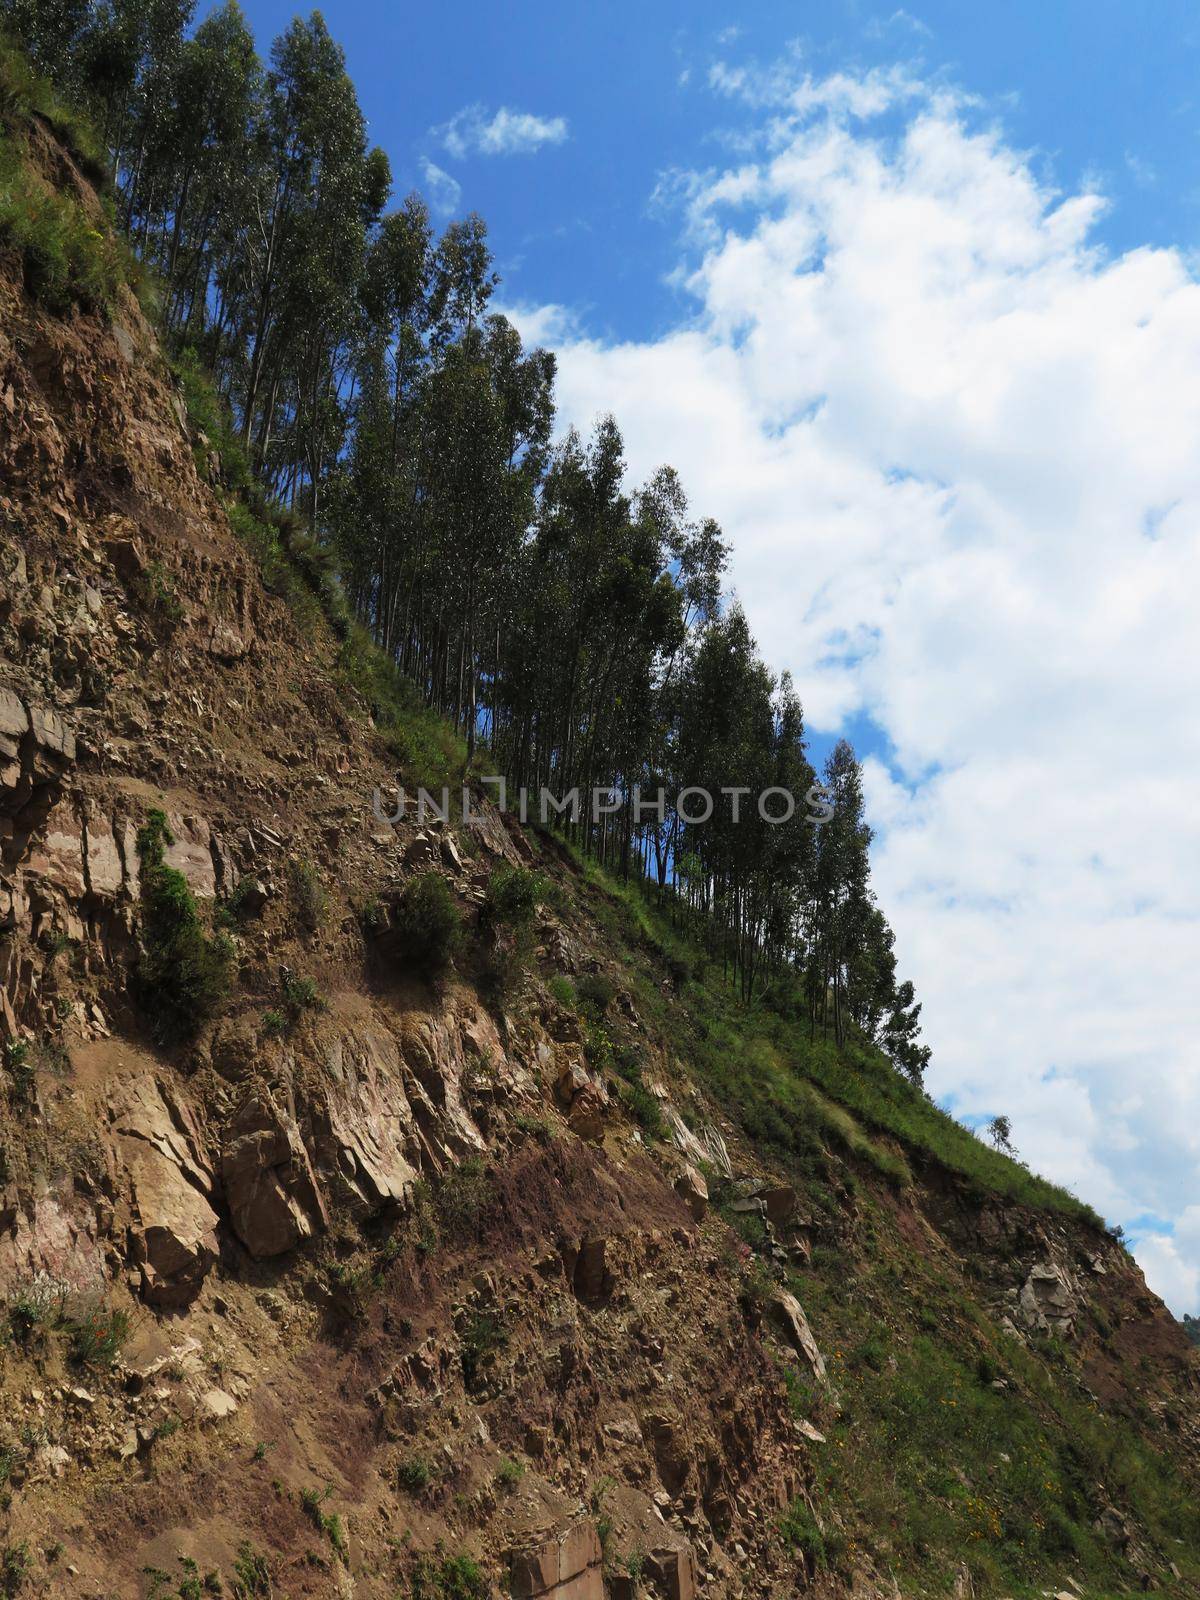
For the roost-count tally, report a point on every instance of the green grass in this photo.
(183, 973)
(795, 1095)
(67, 260)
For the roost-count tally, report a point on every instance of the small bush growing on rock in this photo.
(300, 994)
(483, 1335)
(183, 974)
(596, 992)
(452, 1578)
(274, 1023)
(428, 923)
(511, 898)
(308, 897)
(252, 1575)
(21, 1074)
(799, 1530)
(98, 1333)
(461, 1198)
(414, 1475)
(509, 1474)
(38, 1304)
(563, 990)
(16, 1564)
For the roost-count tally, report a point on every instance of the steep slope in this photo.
(555, 1273)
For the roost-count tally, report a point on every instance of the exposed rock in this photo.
(422, 852)
(788, 1313)
(215, 1405)
(173, 1225)
(1049, 1300)
(365, 1138)
(272, 1194)
(565, 1565)
(693, 1191)
(450, 854)
(672, 1572)
(591, 1278)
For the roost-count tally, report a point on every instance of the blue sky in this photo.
(1103, 89)
(909, 298)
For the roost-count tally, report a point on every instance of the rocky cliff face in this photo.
(379, 1286)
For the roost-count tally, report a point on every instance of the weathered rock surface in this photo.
(566, 1566)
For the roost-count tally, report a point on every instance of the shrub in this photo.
(21, 1071)
(16, 1564)
(183, 974)
(563, 990)
(308, 896)
(461, 1198)
(483, 1335)
(300, 994)
(428, 923)
(799, 1530)
(39, 1304)
(97, 1335)
(414, 1475)
(509, 1474)
(252, 1575)
(511, 898)
(596, 992)
(451, 1578)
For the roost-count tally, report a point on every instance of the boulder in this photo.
(788, 1314)
(672, 1572)
(173, 1226)
(564, 1565)
(274, 1202)
(422, 852)
(693, 1191)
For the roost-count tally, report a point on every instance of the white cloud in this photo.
(444, 192)
(955, 446)
(472, 131)
(1171, 1261)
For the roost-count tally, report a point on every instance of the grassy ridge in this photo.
(785, 1086)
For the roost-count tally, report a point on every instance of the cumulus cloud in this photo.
(505, 132)
(955, 445)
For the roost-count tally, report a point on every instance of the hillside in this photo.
(365, 1237)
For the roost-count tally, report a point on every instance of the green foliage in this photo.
(447, 1578)
(563, 990)
(252, 1574)
(511, 898)
(37, 1304)
(325, 1522)
(596, 991)
(427, 752)
(183, 974)
(16, 1566)
(462, 1197)
(509, 1473)
(801, 1532)
(482, 1336)
(308, 895)
(97, 1333)
(68, 261)
(21, 1070)
(428, 923)
(636, 1097)
(414, 1475)
(157, 594)
(298, 995)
